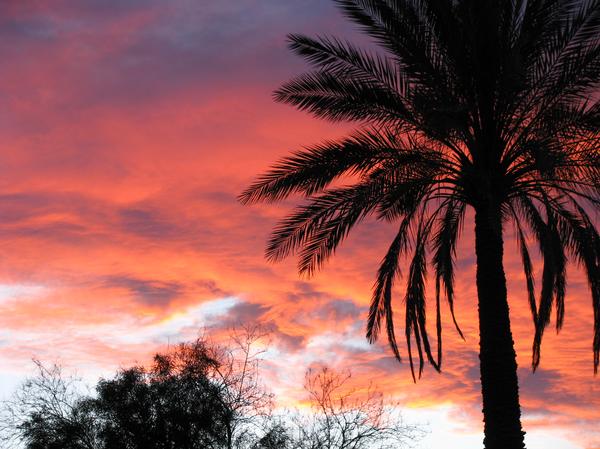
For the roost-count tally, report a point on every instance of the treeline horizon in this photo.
(199, 395)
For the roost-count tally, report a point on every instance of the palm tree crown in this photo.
(470, 103)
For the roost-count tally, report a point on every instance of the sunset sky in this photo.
(127, 129)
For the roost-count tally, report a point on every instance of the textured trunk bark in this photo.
(498, 365)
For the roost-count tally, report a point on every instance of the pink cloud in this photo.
(125, 144)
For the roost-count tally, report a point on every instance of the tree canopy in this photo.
(196, 396)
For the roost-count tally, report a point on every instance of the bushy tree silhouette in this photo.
(193, 396)
(197, 396)
(490, 105)
(174, 403)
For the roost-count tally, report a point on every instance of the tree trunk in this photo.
(498, 365)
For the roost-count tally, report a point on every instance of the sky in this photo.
(127, 129)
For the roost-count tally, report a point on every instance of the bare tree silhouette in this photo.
(346, 418)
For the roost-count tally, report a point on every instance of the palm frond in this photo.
(342, 59)
(564, 62)
(553, 271)
(389, 269)
(527, 265)
(310, 171)
(318, 227)
(583, 240)
(335, 98)
(415, 301)
(405, 30)
(444, 247)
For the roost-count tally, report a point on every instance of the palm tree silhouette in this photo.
(483, 104)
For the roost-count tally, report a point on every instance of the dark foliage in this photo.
(195, 396)
(173, 404)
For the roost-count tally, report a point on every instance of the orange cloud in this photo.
(127, 134)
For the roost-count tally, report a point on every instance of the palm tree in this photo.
(490, 105)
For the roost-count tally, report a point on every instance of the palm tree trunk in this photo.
(498, 365)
